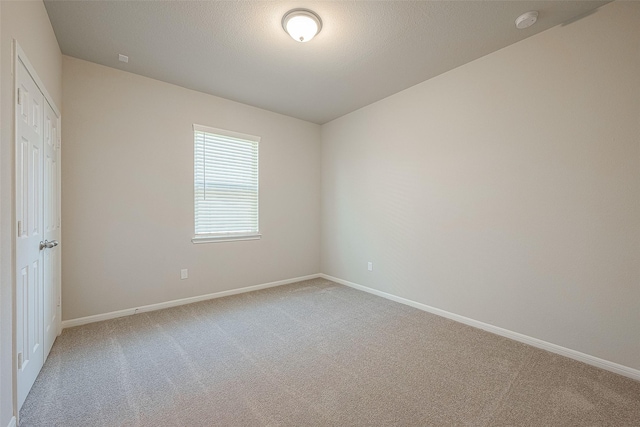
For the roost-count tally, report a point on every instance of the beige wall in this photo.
(127, 193)
(28, 23)
(506, 190)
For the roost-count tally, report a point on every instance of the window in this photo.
(225, 185)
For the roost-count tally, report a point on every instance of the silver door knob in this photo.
(48, 244)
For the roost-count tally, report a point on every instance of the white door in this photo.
(30, 232)
(51, 227)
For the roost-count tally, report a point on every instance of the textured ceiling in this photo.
(367, 50)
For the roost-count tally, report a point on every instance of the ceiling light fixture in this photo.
(301, 24)
(526, 20)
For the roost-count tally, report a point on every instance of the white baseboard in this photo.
(535, 342)
(159, 306)
(553, 348)
(12, 423)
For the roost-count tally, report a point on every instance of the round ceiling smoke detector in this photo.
(526, 20)
(301, 24)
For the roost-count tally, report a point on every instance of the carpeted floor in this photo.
(314, 353)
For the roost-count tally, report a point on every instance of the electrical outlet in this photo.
(370, 266)
(184, 274)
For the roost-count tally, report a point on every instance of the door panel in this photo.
(51, 227)
(30, 216)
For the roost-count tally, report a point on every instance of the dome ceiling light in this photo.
(301, 24)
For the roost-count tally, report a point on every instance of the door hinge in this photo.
(19, 97)
(19, 360)
(19, 228)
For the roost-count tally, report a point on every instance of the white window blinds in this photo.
(226, 184)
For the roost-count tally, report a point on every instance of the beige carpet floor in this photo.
(314, 353)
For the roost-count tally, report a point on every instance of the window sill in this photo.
(225, 238)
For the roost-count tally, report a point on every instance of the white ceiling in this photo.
(367, 50)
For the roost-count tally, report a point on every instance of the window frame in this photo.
(231, 236)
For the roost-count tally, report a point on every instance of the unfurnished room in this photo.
(319, 213)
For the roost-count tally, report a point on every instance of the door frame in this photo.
(20, 56)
